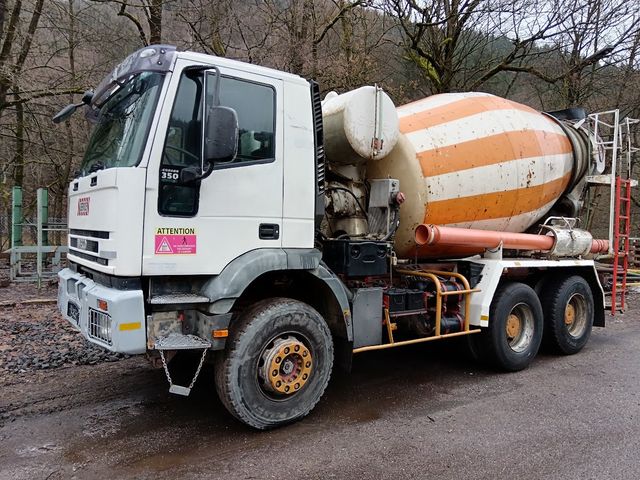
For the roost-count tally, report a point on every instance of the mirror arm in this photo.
(197, 177)
(207, 172)
(216, 92)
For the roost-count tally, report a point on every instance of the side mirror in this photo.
(70, 109)
(221, 135)
(65, 113)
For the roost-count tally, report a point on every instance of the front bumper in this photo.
(120, 327)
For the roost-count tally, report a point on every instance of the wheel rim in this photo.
(519, 327)
(284, 366)
(575, 315)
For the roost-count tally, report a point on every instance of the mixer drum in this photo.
(474, 160)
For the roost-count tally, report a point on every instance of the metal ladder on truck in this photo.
(613, 144)
(622, 217)
(622, 225)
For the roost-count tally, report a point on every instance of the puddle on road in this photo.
(109, 420)
(101, 428)
(160, 462)
(363, 415)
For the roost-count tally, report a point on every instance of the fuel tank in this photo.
(474, 160)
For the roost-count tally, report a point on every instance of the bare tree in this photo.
(461, 45)
(9, 73)
(302, 26)
(10, 67)
(227, 28)
(150, 10)
(597, 37)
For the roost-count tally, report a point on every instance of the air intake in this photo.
(318, 141)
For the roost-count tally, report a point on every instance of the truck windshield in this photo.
(120, 135)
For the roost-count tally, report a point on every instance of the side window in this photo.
(254, 104)
(182, 148)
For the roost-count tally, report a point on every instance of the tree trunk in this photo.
(155, 22)
(5, 53)
(63, 180)
(346, 44)
(298, 33)
(18, 158)
(3, 8)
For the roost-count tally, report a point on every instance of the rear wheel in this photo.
(276, 364)
(568, 314)
(515, 328)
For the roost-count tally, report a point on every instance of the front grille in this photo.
(73, 312)
(84, 244)
(89, 233)
(100, 326)
(91, 258)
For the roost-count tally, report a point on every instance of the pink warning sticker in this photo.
(175, 241)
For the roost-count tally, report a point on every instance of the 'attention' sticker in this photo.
(175, 241)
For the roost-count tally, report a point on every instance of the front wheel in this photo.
(515, 327)
(276, 364)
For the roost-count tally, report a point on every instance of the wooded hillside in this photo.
(548, 54)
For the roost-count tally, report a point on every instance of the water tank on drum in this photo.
(359, 125)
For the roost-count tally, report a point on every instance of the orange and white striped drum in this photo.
(474, 160)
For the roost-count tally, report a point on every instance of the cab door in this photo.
(200, 228)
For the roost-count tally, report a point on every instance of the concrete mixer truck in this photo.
(226, 209)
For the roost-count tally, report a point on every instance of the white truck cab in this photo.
(129, 214)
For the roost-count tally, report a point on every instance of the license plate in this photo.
(73, 311)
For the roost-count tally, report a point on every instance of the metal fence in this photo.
(5, 233)
(30, 233)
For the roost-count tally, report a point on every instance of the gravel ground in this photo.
(36, 337)
(19, 292)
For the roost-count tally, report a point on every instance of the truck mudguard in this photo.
(340, 293)
(224, 289)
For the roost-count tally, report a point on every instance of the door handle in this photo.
(269, 231)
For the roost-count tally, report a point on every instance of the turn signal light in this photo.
(224, 333)
(103, 305)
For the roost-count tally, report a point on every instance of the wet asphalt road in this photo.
(422, 412)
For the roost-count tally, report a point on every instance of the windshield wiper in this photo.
(96, 166)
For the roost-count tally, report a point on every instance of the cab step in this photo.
(179, 341)
(177, 298)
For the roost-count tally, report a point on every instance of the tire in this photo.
(272, 336)
(568, 309)
(515, 328)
